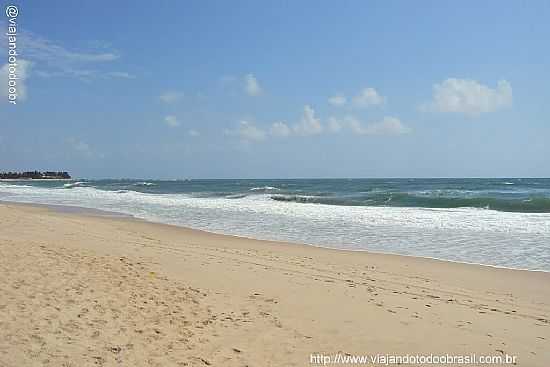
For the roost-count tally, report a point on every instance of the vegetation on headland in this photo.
(47, 175)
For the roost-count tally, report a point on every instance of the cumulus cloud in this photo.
(388, 126)
(469, 97)
(334, 125)
(21, 72)
(248, 84)
(171, 121)
(252, 86)
(171, 96)
(247, 131)
(368, 97)
(194, 133)
(309, 124)
(280, 129)
(337, 100)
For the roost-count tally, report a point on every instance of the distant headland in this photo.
(35, 175)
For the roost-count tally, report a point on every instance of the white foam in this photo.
(520, 240)
(264, 188)
(73, 184)
(145, 184)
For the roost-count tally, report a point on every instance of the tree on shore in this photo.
(35, 175)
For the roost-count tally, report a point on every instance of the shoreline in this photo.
(72, 209)
(99, 212)
(85, 288)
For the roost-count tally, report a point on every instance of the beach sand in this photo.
(86, 290)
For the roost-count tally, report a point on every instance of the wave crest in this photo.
(532, 204)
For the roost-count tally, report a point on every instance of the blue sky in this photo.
(280, 89)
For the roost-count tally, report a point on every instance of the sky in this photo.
(278, 89)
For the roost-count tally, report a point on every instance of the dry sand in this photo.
(83, 290)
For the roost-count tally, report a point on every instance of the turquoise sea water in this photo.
(503, 222)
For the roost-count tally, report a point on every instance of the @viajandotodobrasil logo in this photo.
(12, 12)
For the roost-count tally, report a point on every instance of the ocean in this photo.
(501, 221)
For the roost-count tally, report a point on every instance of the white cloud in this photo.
(82, 148)
(43, 49)
(368, 97)
(21, 72)
(85, 75)
(248, 83)
(248, 132)
(309, 125)
(469, 97)
(337, 100)
(388, 126)
(171, 121)
(194, 133)
(355, 125)
(120, 74)
(54, 60)
(80, 145)
(171, 96)
(252, 86)
(280, 129)
(334, 125)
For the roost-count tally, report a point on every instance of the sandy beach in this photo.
(87, 290)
